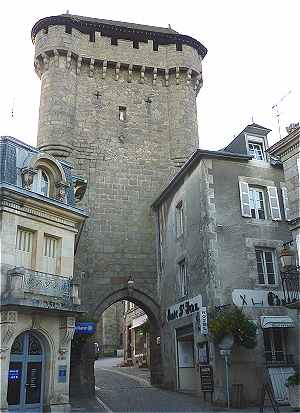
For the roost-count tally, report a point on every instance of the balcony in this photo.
(36, 289)
(291, 287)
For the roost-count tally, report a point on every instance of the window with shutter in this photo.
(266, 266)
(24, 248)
(245, 199)
(274, 203)
(285, 203)
(50, 254)
(257, 203)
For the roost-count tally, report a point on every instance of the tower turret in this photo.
(94, 71)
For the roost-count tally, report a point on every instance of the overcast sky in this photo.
(253, 59)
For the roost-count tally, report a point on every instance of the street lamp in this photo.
(290, 274)
(287, 256)
(225, 350)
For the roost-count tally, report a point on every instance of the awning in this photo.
(136, 322)
(276, 321)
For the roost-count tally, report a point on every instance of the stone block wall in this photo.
(126, 162)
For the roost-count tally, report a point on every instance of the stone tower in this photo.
(119, 101)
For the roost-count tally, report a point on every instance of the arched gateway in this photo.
(151, 308)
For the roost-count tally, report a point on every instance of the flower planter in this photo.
(294, 396)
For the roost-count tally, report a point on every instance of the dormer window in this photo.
(44, 183)
(256, 150)
(41, 182)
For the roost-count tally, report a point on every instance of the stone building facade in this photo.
(109, 333)
(39, 298)
(119, 101)
(136, 335)
(221, 223)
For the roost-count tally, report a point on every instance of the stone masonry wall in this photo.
(126, 162)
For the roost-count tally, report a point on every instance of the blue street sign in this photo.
(85, 328)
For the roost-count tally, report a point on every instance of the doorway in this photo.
(25, 374)
(186, 359)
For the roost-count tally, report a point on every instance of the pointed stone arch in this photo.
(152, 309)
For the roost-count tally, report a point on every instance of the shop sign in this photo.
(257, 298)
(203, 321)
(62, 374)
(85, 328)
(184, 308)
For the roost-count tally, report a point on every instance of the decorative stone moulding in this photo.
(8, 322)
(66, 333)
(61, 187)
(27, 177)
(193, 77)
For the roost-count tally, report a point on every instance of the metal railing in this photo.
(46, 284)
(39, 289)
(291, 285)
(278, 358)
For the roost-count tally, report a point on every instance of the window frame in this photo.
(256, 140)
(264, 262)
(122, 113)
(269, 337)
(179, 219)
(258, 190)
(182, 278)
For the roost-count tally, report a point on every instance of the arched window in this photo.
(41, 182)
(44, 183)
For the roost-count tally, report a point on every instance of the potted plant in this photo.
(232, 322)
(293, 385)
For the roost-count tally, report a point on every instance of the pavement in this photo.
(128, 389)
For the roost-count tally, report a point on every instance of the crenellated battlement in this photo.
(118, 70)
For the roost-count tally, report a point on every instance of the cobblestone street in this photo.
(127, 389)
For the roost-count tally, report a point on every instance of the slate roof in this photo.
(133, 26)
(120, 30)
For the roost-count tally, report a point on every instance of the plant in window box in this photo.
(293, 385)
(232, 322)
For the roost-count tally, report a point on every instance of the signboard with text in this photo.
(257, 298)
(85, 328)
(184, 308)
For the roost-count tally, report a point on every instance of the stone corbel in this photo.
(61, 187)
(45, 61)
(66, 333)
(56, 57)
(8, 322)
(38, 68)
(92, 67)
(130, 67)
(104, 69)
(68, 61)
(167, 77)
(154, 75)
(79, 62)
(118, 65)
(177, 75)
(189, 76)
(143, 74)
(27, 177)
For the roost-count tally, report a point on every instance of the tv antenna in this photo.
(276, 110)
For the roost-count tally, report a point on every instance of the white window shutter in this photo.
(274, 203)
(285, 203)
(245, 199)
